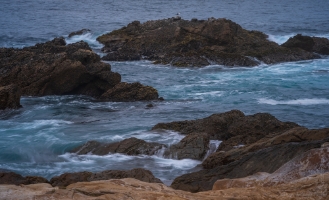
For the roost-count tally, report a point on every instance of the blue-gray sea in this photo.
(34, 140)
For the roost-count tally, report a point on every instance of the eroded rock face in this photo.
(264, 160)
(10, 97)
(193, 146)
(196, 43)
(16, 179)
(311, 163)
(69, 178)
(130, 92)
(233, 127)
(307, 43)
(130, 146)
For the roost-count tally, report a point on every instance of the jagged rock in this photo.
(16, 179)
(298, 134)
(10, 97)
(69, 178)
(264, 160)
(53, 68)
(130, 92)
(310, 163)
(130, 146)
(196, 43)
(80, 32)
(193, 146)
(233, 127)
(307, 43)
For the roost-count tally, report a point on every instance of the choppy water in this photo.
(35, 139)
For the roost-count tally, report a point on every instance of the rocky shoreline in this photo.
(272, 156)
(260, 157)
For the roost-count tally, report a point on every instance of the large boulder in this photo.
(16, 179)
(130, 92)
(54, 68)
(130, 146)
(69, 178)
(307, 43)
(196, 43)
(233, 127)
(10, 97)
(193, 146)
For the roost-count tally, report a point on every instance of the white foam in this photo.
(183, 164)
(279, 39)
(306, 102)
(87, 37)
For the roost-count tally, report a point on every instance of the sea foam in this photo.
(305, 102)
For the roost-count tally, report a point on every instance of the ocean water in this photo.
(35, 140)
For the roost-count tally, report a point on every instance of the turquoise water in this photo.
(35, 139)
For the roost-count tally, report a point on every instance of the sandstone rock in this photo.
(309, 188)
(232, 127)
(193, 146)
(69, 178)
(196, 43)
(80, 32)
(307, 43)
(264, 160)
(130, 92)
(16, 179)
(10, 97)
(130, 146)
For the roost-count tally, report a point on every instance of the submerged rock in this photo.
(16, 179)
(233, 127)
(196, 43)
(193, 146)
(80, 32)
(130, 146)
(10, 97)
(307, 43)
(69, 178)
(54, 68)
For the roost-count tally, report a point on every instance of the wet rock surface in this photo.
(69, 178)
(130, 146)
(54, 68)
(193, 146)
(130, 92)
(307, 43)
(233, 127)
(10, 97)
(195, 42)
(16, 179)
(79, 32)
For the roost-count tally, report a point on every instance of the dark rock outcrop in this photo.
(69, 178)
(307, 43)
(130, 146)
(80, 32)
(130, 92)
(54, 68)
(264, 160)
(233, 127)
(10, 97)
(196, 43)
(193, 146)
(16, 179)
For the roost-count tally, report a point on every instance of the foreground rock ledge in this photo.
(54, 68)
(314, 187)
(198, 43)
